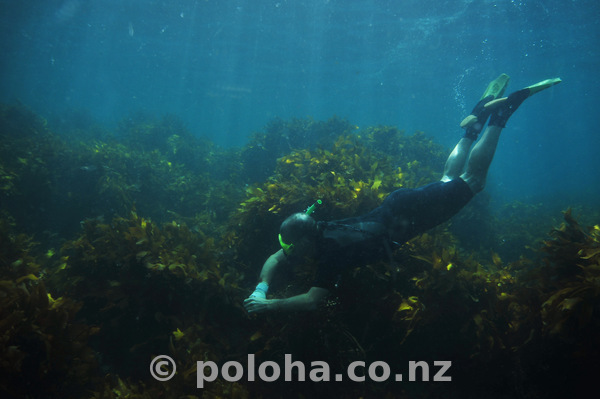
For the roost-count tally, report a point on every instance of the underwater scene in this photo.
(151, 150)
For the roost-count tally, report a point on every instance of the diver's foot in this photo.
(474, 123)
(502, 108)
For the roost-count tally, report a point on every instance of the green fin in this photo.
(496, 87)
(544, 84)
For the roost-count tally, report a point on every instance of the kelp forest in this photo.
(119, 245)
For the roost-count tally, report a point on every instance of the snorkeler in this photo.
(404, 214)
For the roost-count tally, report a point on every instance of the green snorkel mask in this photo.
(288, 248)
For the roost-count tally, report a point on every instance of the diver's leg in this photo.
(473, 125)
(482, 153)
(481, 157)
(501, 109)
(455, 164)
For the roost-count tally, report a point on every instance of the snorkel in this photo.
(312, 208)
(288, 248)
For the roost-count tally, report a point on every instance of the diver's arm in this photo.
(266, 274)
(307, 301)
(268, 269)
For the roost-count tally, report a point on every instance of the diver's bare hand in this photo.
(256, 305)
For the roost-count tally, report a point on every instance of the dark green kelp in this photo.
(119, 247)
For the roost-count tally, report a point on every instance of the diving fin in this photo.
(503, 108)
(476, 120)
(544, 84)
(496, 87)
(527, 91)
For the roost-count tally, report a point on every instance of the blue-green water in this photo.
(125, 234)
(228, 67)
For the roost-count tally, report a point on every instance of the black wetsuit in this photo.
(404, 214)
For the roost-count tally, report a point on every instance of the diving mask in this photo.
(287, 248)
